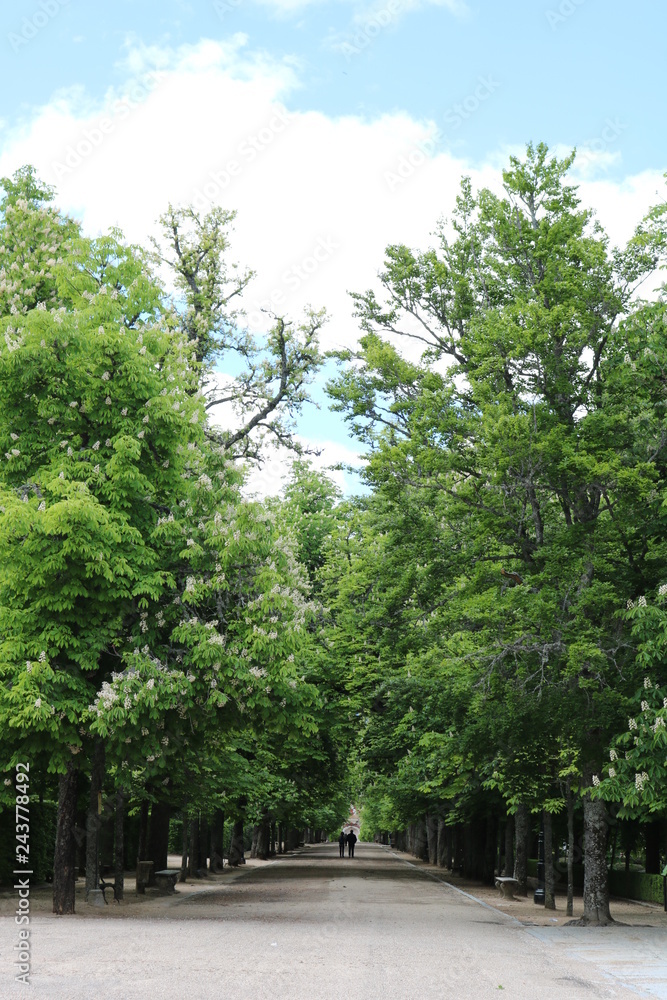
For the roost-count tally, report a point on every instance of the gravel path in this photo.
(312, 925)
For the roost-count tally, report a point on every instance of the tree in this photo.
(518, 452)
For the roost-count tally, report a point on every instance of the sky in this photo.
(333, 127)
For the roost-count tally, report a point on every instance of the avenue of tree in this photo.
(472, 648)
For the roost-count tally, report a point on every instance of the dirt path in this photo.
(310, 925)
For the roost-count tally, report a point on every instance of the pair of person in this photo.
(347, 838)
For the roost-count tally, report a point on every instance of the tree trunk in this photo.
(272, 844)
(253, 844)
(185, 841)
(93, 818)
(194, 846)
(158, 836)
(143, 831)
(64, 860)
(549, 883)
(236, 856)
(596, 885)
(262, 842)
(442, 858)
(420, 845)
(204, 840)
(508, 870)
(280, 839)
(217, 836)
(432, 839)
(570, 851)
(522, 828)
(118, 847)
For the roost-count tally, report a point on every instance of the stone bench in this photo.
(507, 885)
(166, 880)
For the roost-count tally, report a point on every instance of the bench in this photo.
(166, 880)
(108, 885)
(507, 885)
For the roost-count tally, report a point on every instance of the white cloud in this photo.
(318, 197)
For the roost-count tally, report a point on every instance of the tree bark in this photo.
(652, 843)
(158, 836)
(442, 858)
(262, 842)
(420, 845)
(570, 851)
(93, 818)
(522, 830)
(596, 883)
(194, 846)
(549, 882)
(64, 861)
(204, 840)
(508, 870)
(143, 831)
(118, 845)
(432, 839)
(185, 842)
(217, 834)
(236, 855)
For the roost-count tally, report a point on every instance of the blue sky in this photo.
(363, 86)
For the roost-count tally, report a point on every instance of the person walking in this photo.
(351, 841)
(341, 843)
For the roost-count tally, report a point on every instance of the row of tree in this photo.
(498, 598)
(160, 647)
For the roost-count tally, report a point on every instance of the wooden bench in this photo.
(166, 880)
(507, 885)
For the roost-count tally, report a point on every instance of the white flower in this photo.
(141, 434)
(647, 684)
(96, 446)
(63, 444)
(630, 604)
(644, 706)
(123, 412)
(165, 465)
(74, 404)
(28, 666)
(61, 475)
(14, 437)
(596, 780)
(641, 602)
(640, 781)
(42, 657)
(165, 741)
(632, 724)
(613, 755)
(69, 452)
(612, 772)
(15, 452)
(100, 329)
(128, 702)
(96, 470)
(145, 420)
(107, 443)
(144, 731)
(51, 420)
(214, 683)
(42, 343)
(105, 376)
(108, 400)
(190, 541)
(150, 684)
(662, 590)
(38, 702)
(142, 351)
